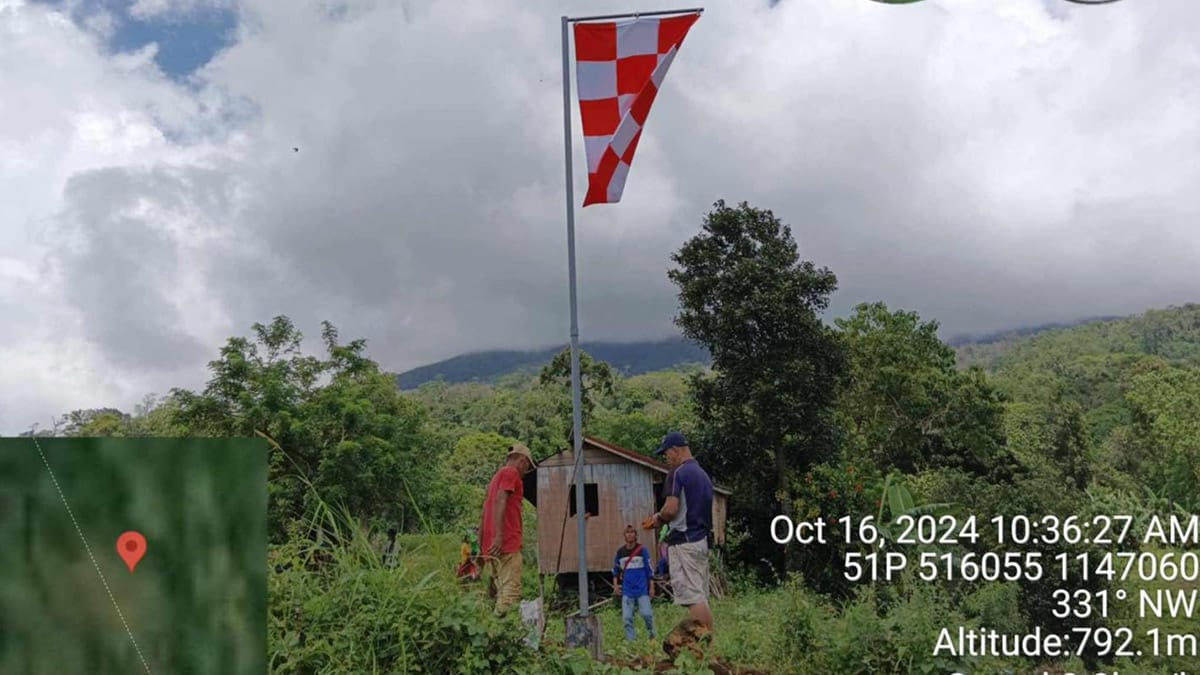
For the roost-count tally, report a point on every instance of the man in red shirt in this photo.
(500, 532)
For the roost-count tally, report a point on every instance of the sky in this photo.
(989, 165)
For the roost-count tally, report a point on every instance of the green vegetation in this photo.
(870, 415)
(196, 601)
(336, 608)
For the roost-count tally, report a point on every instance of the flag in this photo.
(619, 69)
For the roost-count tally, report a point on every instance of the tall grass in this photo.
(336, 608)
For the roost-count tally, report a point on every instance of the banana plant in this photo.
(898, 501)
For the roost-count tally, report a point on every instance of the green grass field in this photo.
(740, 617)
(784, 630)
(743, 621)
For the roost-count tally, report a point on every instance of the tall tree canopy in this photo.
(767, 410)
(907, 407)
(341, 425)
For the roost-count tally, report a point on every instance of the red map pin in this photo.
(131, 546)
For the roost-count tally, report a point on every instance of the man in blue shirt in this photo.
(631, 579)
(688, 512)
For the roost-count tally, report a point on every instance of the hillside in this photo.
(631, 358)
(1172, 334)
(1105, 383)
(1014, 333)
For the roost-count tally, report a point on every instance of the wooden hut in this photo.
(620, 487)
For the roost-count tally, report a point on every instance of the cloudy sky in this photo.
(987, 164)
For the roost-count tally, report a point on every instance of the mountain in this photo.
(1014, 333)
(1172, 334)
(1169, 332)
(631, 358)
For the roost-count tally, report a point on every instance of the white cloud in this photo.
(156, 9)
(953, 158)
(72, 113)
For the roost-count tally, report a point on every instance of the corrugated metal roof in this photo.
(638, 458)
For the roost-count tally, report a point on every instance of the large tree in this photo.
(767, 410)
(340, 425)
(908, 407)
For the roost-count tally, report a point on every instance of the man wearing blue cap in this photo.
(687, 510)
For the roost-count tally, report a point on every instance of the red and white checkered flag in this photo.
(619, 69)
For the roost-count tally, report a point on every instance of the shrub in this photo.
(335, 608)
(799, 623)
(866, 638)
(997, 605)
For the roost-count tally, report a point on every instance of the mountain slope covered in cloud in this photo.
(631, 358)
(1172, 332)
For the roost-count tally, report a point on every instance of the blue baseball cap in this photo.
(674, 439)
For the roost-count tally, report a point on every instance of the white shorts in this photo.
(689, 572)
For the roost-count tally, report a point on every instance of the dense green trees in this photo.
(519, 407)
(595, 379)
(643, 408)
(906, 407)
(1166, 410)
(1104, 402)
(337, 423)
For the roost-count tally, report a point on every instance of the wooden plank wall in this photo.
(625, 496)
(720, 505)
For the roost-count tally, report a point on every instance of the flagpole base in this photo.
(584, 631)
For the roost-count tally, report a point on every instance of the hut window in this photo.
(591, 499)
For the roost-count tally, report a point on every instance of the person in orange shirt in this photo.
(500, 531)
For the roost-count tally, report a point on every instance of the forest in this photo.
(799, 414)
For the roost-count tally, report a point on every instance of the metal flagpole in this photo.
(576, 394)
